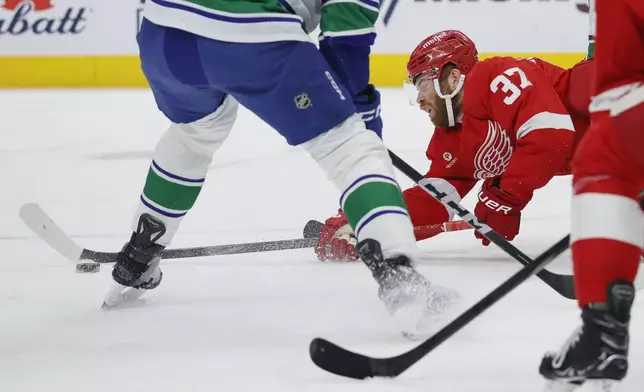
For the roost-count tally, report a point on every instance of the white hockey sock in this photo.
(179, 167)
(356, 160)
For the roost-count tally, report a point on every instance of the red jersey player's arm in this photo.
(522, 100)
(423, 208)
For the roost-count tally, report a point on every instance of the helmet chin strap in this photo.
(448, 98)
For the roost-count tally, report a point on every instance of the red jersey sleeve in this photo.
(519, 98)
(447, 173)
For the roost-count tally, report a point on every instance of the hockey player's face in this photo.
(429, 102)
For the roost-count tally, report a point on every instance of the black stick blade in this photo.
(564, 284)
(334, 359)
(312, 229)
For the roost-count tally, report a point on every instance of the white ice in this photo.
(243, 322)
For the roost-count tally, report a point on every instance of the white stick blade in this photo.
(41, 224)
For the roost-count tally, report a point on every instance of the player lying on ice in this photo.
(511, 123)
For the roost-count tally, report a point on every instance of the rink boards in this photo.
(92, 43)
(387, 70)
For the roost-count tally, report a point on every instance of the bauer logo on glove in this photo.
(499, 210)
(493, 205)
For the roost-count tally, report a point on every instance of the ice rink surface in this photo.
(243, 322)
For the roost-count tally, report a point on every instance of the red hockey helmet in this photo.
(440, 49)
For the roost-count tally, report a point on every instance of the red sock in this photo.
(598, 263)
(607, 236)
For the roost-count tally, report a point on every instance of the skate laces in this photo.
(559, 358)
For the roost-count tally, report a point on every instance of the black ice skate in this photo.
(410, 298)
(597, 351)
(137, 264)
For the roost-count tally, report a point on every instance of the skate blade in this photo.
(602, 386)
(560, 386)
(419, 320)
(409, 320)
(120, 295)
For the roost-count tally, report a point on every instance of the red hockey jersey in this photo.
(619, 63)
(522, 119)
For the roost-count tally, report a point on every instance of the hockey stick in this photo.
(342, 362)
(432, 230)
(41, 224)
(426, 231)
(563, 284)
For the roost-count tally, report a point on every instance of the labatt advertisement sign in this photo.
(40, 17)
(68, 27)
